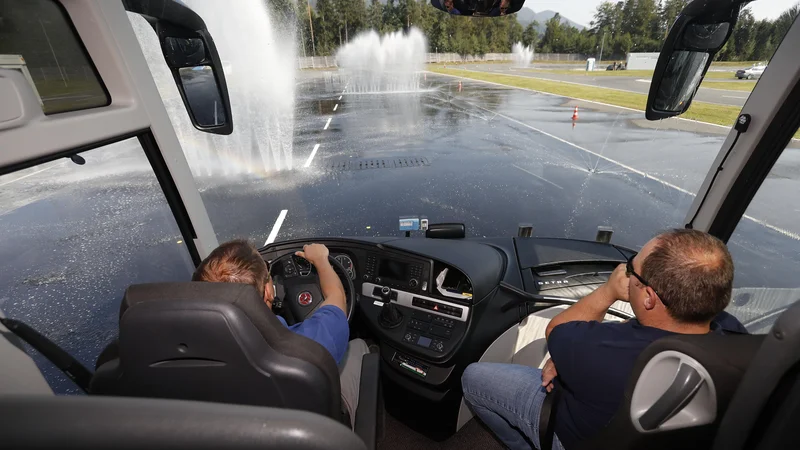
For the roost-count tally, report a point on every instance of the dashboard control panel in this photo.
(397, 273)
(428, 331)
(429, 305)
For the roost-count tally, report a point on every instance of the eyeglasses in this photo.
(629, 271)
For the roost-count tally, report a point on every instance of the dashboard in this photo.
(435, 305)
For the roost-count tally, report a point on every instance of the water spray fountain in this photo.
(381, 64)
(258, 57)
(521, 55)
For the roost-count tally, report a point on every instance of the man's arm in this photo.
(332, 289)
(595, 305)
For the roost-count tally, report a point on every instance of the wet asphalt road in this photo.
(488, 156)
(625, 83)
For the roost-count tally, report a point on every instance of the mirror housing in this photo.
(192, 57)
(478, 8)
(446, 231)
(700, 31)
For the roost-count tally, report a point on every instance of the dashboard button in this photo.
(442, 332)
(423, 316)
(438, 346)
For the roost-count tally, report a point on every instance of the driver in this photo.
(239, 262)
(679, 283)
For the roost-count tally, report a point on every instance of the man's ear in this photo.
(650, 300)
(269, 291)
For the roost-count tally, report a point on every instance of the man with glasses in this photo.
(679, 283)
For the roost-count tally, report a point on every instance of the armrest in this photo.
(366, 423)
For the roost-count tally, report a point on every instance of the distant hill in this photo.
(527, 15)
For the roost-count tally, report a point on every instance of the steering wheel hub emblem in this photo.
(305, 298)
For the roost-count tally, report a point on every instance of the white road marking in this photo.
(733, 96)
(311, 156)
(625, 166)
(31, 174)
(782, 231)
(327, 124)
(537, 176)
(340, 97)
(643, 81)
(335, 107)
(277, 227)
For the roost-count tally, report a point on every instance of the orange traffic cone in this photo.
(575, 114)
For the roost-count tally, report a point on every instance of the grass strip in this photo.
(648, 74)
(704, 112)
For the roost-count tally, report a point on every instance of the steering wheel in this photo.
(302, 294)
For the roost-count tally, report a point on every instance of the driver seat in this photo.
(219, 342)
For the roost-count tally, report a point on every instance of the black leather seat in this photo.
(676, 403)
(219, 342)
(100, 423)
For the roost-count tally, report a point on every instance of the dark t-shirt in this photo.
(594, 361)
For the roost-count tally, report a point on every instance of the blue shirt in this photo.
(594, 361)
(328, 327)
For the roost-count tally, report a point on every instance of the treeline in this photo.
(336, 22)
(642, 26)
(617, 29)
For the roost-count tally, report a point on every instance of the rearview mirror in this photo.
(193, 60)
(699, 32)
(485, 8)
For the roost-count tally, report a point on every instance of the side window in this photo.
(766, 247)
(37, 38)
(73, 237)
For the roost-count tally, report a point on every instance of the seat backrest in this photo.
(765, 410)
(215, 342)
(678, 392)
(99, 423)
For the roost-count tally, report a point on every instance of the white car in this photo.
(752, 72)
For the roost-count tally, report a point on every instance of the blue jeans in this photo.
(508, 399)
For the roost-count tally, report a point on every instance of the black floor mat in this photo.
(474, 435)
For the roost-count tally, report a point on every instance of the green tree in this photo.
(763, 40)
(552, 40)
(326, 28)
(375, 16)
(515, 31)
(669, 12)
(530, 36)
(784, 22)
(743, 36)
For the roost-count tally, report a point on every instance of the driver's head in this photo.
(237, 262)
(688, 275)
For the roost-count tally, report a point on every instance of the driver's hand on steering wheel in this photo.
(316, 254)
(332, 289)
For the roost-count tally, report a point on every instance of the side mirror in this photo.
(193, 60)
(699, 32)
(485, 8)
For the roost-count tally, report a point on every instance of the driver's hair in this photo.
(234, 262)
(693, 271)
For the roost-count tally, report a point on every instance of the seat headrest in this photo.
(243, 296)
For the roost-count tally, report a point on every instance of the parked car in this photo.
(752, 72)
(617, 66)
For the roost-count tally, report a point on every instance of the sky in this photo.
(582, 11)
